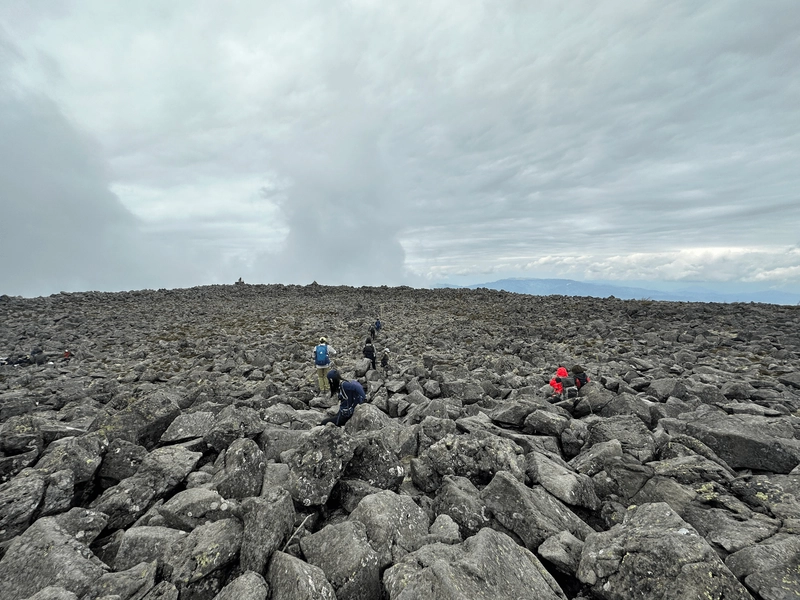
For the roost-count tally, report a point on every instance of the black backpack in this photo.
(580, 380)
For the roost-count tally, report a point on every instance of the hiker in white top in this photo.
(322, 361)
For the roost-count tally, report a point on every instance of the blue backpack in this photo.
(321, 355)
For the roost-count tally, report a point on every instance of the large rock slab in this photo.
(207, 549)
(82, 455)
(769, 568)
(19, 501)
(532, 513)
(777, 494)
(476, 457)
(290, 578)
(248, 586)
(190, 508)
(315, 467)
(394, 524)
(631, 432)
(743, 441)
(188, 426)
(143, 421)
(459, 499)
(346, 557)
(574, 489)
(131, 584)
(268, 522)
(160, 472)
(144, 544)
(242, 471)
(657, 555)
(232, 423)
(375, 461)
(47, 555)
(730, 531)
(487, 566)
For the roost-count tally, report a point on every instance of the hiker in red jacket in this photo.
(555, 382)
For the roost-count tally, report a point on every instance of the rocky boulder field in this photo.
(162, 445)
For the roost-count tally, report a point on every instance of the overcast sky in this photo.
(173, 143)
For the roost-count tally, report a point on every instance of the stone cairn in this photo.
(157, 445)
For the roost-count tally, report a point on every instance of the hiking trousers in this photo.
(322, 379)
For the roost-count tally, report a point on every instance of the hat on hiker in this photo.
(323, 340)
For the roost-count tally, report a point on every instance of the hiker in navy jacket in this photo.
(351, 394)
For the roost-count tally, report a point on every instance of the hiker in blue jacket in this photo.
(322, 362)
(351, 394)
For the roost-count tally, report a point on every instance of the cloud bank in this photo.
(371, 143)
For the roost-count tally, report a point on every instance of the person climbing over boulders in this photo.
(322, 361)
(557, 384)
(351, 394)
(580, 377)
(385, 361)
(369, 352)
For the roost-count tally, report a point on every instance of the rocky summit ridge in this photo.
(163, 445)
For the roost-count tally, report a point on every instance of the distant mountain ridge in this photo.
(570, 287)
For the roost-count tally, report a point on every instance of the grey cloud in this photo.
(60, 226)
(440, 138)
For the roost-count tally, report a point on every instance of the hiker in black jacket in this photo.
(369, 352)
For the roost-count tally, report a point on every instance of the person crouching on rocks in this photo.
(581, 379)
(322, 361)
(351, 394)
(556, 384)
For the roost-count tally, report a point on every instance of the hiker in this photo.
(385, 361)
(351, 394)
(369, 352)
(322, 361)
(580, 376)
(378, 326)
(556, 382)
(372, 332)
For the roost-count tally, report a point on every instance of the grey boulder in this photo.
(248, 586)
(394, 524)
(290, 578)
(344, 554)
(487, 566)
(530, 512)
(316, 466)
(47, 555)
(655, 554)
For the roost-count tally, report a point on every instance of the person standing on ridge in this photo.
(351, 394)
(322, 361)
(369, 352)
